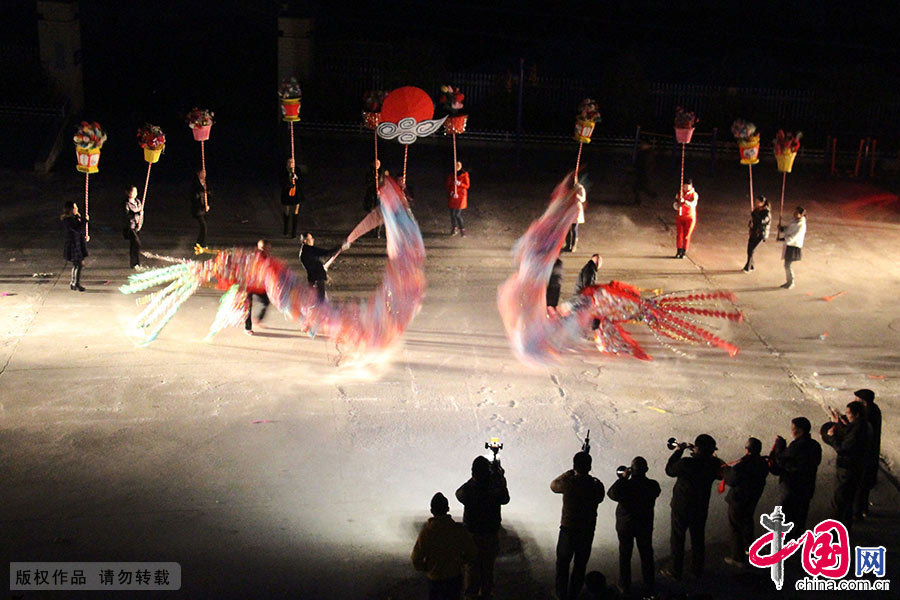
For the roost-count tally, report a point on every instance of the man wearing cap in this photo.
(441, 550)
(690, 500)
(870, 476)
(482, 496)
(747, 479)
(636, 495)
(850, 435)
(581, 495)
(796, 465)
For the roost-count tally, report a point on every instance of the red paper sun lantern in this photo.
(405, 102)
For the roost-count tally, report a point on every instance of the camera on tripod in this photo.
(672, 444)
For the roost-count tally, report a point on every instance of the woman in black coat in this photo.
(75, 243)
(759, 229)
(200, 203)
(291, 198)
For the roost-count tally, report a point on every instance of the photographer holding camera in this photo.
(581, 495)
(482, 496)
(690, 500)
(636, 495)
(850, 435)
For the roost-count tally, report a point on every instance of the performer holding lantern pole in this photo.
(588, 116)
(748, 143)
(89, 139)
(786, 147)
(451, 102)
(200, 121)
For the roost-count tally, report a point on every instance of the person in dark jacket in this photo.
(311, 257)
(75, 242)
(554, 284)
(747, 480)
(850, 435)
(870, 476)
(482, 496)
(759, 229)
(581, 495)
(291, 198)
(134, 215)
(588, 274)
(441, 550)
(690, 500)
(200, 203)
(796, 465)
(636, 495)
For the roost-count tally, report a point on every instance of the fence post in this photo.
(637, 141)
(872, 158)
(859, 153)
(675, 154)
(519, 113)
(833, 154)
(712, 152)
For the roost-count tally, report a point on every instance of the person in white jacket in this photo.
(792, 234)
(572, 235)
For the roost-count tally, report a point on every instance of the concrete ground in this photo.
(268, 471)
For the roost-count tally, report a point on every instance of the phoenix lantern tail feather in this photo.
(538, 338)
(364, 329)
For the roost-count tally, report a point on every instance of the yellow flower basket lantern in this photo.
(88, 160)
(785, 161)
(584, 129)
(749, 151)
(152, 156)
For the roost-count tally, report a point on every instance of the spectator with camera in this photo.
(690, 500)
(482, 496)
(747, 479)
(636, 496)
(851, 436)
(796, 465)
(581, 495)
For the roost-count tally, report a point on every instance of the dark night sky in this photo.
(154, 59)
(225, 50)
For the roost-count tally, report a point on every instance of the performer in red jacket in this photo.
(458, 193)
(686, 206)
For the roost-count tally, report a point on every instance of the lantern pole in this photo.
(146, 183)
(87, 234)
(578, 160)
(454, 165)
(783, 181)
(405, 153)
(750, 167)
(291, 124)
(681, 181)
(203, 166)
(375, 131)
